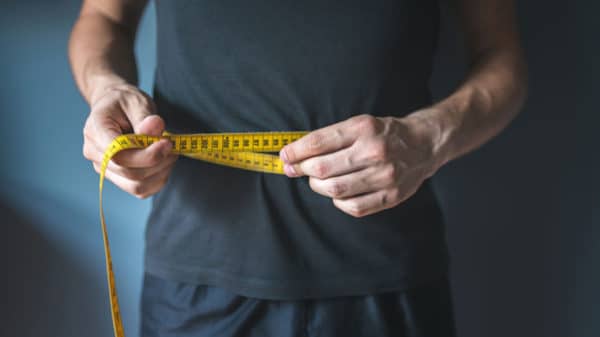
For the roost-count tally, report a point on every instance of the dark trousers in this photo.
(174, 309)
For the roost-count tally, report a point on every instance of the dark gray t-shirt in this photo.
(234, 66)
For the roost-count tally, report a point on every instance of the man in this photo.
(356, 247)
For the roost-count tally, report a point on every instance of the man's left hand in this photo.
(366, 164)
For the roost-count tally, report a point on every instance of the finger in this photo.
(137, 174)
(139, 188)
(325, 140)
(141, 173)
(133, 110)
(138, 106)
(146, 157)
(91, 151)
(356, 183)
(152, 125)
(329, 165)
(369, 203)
(106, 130)
(100, 131)
(96, 157)
(131, 158)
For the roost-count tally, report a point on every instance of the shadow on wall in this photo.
(46, 292)
(52, 282)
(506, 222)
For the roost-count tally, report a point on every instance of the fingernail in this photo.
(283, 155)
(289, 170)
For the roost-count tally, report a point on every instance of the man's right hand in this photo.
(122, 108)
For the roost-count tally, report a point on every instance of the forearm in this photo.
(101, 54)
(489, 98)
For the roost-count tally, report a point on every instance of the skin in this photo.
(103, 64)
(365, 164)
(368, 164)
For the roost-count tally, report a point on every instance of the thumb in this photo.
(151, 125)
(105, 133)
(139, 107)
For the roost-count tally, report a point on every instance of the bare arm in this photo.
(495, 88)
(368, 164)
(101, 44)
(103, 63)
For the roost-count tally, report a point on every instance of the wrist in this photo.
(434, 133)
(101, 84)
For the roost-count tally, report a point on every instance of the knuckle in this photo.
(139, 100)
(362, 118)
(312, 183)
(367, 124)
(390, 173)
(314, 141)
(336, 189)
(117, 95)
(379, 151)
(86, 152)
(339, 133)
(126, 98)
(355, 209)
(393, 197)
(349, 207)
(356, 213)
(320, 169)
(138, 189)
(349, 161)
(384, 199)
(145, 103)
(86, 131)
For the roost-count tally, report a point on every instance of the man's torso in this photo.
(233, 66)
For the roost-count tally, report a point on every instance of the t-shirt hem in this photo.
(294, 289)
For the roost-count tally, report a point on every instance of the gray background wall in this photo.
(521, 211)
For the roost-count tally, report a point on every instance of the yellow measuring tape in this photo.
(242, 150)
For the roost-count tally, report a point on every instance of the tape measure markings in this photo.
(240, 150)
